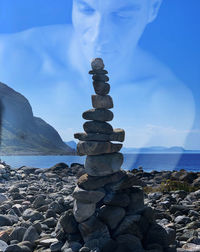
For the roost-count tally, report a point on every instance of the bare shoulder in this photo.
(38, 37)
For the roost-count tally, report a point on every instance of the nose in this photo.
(102, 33)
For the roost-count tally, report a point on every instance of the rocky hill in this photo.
(21, 132)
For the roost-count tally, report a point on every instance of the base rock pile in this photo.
(109, 212)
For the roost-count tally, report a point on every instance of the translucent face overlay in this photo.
(109, 28)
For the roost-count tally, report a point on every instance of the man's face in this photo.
(110, 28)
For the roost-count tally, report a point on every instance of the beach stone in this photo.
(116, 199)
(18, 233)
(97, 127)
(130, 222)
(182, 219)
(93, 228)
(131, 242)
(102, 101)
(3, 198)
(100, 77)
(39, 201)
(96, 148)
(87, 196)
(31, 234)
(97, 64)
(157, 234)
(101, 165)
(98, 115)
(88, 182)
(32, 215)
(3, 245)
(56, 246)
(136, 199)
(82, 211)
(46, 242)
(68, 222)
(191, 247)
(5, 221)
(101, 88)
(111, 215)
(117, 135)
(14, 248)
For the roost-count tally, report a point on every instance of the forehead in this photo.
(113, 4)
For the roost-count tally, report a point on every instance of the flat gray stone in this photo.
(102, 165)
(100, 71)
(88, 182)
(97, 127)
(96, 148)
(101, 88)
(87, 196)
(111, 215)
(117, 135)
(82, 211)
(100, 77)
(98, 115)
(102, 101)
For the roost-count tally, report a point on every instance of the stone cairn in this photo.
(109, 212)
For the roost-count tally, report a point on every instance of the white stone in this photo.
(3, 245)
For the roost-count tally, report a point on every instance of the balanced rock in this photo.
(117, 135)
(96, 148)
(87, 196)
(88, 182)
(97, 127)
(102, 101)
(105, 164)
(100, 77)
(93, 228)
(101, 88)
(116, 199)
(98, 115)
(82, 211)
(97, 64)
(111, 215)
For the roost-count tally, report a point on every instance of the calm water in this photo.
(161, 161)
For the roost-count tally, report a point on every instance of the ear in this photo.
(154, 8)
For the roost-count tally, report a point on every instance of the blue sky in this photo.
(174, 38)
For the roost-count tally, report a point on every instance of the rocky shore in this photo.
(36, 210)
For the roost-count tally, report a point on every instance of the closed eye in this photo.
(85, 8)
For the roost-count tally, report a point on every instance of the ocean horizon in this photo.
(148, 161)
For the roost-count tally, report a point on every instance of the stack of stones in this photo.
(109, 208)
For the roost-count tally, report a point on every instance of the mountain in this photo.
(71, 144)
(21, 132)
(154, 149)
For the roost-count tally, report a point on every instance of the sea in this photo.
(148, 161)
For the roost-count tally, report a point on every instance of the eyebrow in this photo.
(83, 2)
